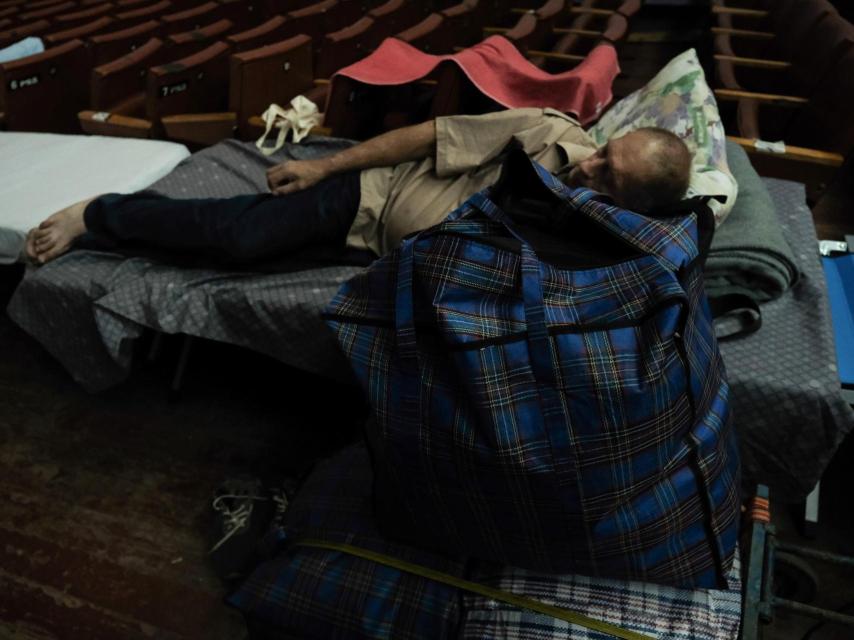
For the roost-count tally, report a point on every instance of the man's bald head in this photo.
(643, 170)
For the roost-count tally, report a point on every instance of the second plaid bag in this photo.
(561, 413)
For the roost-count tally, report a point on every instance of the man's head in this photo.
(642, 170)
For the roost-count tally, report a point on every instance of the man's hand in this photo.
(296, 175)
(386, 150)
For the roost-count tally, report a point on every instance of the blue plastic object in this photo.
(839, 272)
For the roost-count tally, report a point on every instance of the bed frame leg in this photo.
(156, 346)
(811, 512)
(181, 368)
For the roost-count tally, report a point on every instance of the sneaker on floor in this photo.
(242, 513)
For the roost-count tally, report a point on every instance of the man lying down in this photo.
(371, 195)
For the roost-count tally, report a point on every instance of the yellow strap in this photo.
(496, 594)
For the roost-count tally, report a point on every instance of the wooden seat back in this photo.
(80, 16)
(47, 12)
(21, 31)
(83, 31)
(44, 92)
(268, 32)
(522, 33)
(115, 44)
(243, 13)
(273, 73)
(196, 84)
(346, 46)
(115, 82)
(826, 123)
(466, 19)
(547, 16)
(281, 7)
(310, 20)
(192, 18)
(136, 15)
(182, 45)
(395, 16)
(431, 35)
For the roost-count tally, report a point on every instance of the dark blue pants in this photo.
(241, 230)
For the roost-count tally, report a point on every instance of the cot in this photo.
(785, 389)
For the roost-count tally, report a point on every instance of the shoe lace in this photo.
(234, 519)
(282, 503)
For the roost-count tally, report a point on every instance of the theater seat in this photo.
(189, 19)
(268, 32)
(271, 74)
(109, 46)
(395, 16)
(135, 14)
(431, 35)
(194, 85)
(808, 44)
(573, 46)
(819, 129)
(320, 18)
(47, 12)
(197, 84)
(21, 31)
(243, 13)
(185, 44)
(467, 19)
(44, 92)
(345, 46)
(83, 31)
(120, 86)
(534, 28)
(83, 15)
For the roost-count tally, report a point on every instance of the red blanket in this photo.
(498, 70)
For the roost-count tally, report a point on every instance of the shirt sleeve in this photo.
(464, 143)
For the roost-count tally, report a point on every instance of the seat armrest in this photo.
(738, 11)
(763, 98)
(743, 33)
(592, 11)
(558, 57)
(101, 123)
(758, 63)
(200, 128)
(813, 167)
(584, 33)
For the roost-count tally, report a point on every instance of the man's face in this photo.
(609, 169)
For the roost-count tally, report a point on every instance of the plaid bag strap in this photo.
(500, 595)
(532, 296)
(535, 316)
(542, 365)
(407, 348)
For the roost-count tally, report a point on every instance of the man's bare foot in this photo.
(54, 236)
(30, 246)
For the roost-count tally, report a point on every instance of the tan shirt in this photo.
(411, 196)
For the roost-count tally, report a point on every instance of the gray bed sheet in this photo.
(87, 308)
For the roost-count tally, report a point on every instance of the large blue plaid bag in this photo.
(562, 413)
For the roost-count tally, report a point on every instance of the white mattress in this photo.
(41, 173)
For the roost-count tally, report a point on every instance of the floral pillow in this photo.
(679, 100)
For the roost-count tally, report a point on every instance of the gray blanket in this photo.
(749, 253)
